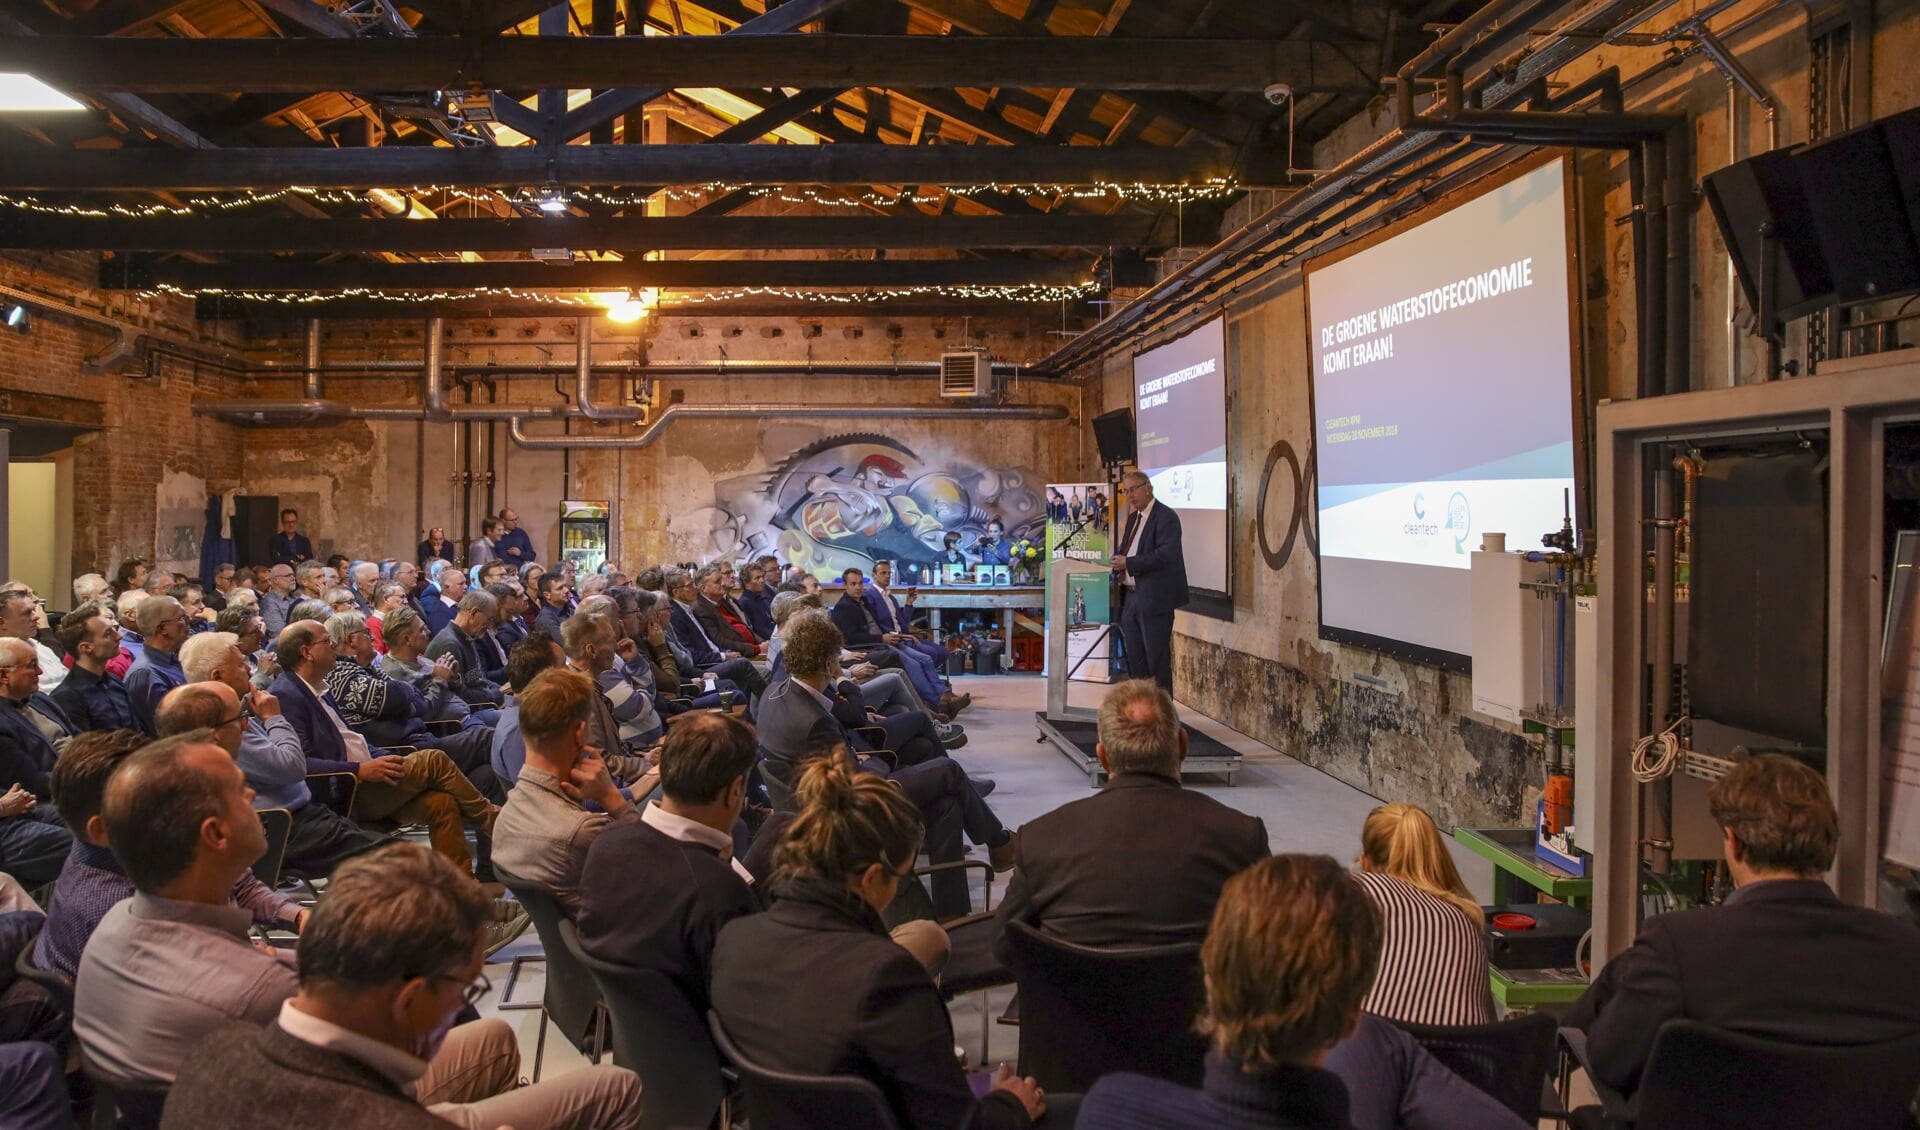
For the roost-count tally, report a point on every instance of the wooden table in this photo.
(935, 598)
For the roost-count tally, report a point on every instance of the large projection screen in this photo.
(1180, 414)
(1443, 409)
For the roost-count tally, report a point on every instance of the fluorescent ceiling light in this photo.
(24, 92)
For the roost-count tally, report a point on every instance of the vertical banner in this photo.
(1079, 527)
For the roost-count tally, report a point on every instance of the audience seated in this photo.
(1292, 948)
(856, 622)
(1395, 1084)
(92, 697)
(755, 600)
(424, 786)
(436, 680)
(554, 594)
(22, 617)
(472, 618)
(279, 598)
(1433, 969)
(1142, 861)
(163, 628)
(93, 880)
(588, 642)
(389, 712)
(896, 616)
(1783, 959)
(392, 953)
(813, 986)
(265, 745)
(387, 596)
(451, 586)
(532, 655)
(33, 841)
(490, 647)
(544, 830)
(719, 617)
(32, 728)
(627, 688)
(796, 719)
(705, 655)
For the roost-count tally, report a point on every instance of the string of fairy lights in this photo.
(1024, 292)
(1121, 192)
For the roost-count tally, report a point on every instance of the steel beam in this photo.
(281, 275)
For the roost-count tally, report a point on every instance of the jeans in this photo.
(921, 672)
(33, 1089)
(34, 845)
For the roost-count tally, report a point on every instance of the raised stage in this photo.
(1075, 738)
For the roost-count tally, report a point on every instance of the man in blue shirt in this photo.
(163, 625)
(513, 545)
(289, 546)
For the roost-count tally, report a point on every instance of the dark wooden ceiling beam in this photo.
(287, 318)
(262, 65)
(303, 275)
(519, 166)
(627, 234)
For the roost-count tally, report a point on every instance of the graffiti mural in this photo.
(847, 501)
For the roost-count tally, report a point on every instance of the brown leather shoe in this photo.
(1002, 858)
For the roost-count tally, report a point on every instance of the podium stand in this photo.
(1060, 723)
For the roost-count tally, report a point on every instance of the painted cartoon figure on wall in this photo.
(851, 500)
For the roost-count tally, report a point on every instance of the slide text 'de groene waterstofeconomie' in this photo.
(1153, 393)
(1352, 342)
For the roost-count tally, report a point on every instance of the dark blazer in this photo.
(26, 756)
(436, 613)
(850, 616)
(1284, 1098)
(470, 681)
(94, 702)
(240, 1071)
(815, 986)
(1158, 565)
(791, 721)
(1139, 863)
(326, 751)
(1782, 960)
(758, 607)
(721, 632)
(688, 632)
(650, 901)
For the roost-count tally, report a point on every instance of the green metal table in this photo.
(1510, 850)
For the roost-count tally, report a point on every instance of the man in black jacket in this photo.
(475, 614)
(1783, 959)
(1141, 862)
(1151, 566)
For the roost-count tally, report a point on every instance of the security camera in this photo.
(1280, 93)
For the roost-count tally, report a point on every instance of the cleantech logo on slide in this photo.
(1420, 527)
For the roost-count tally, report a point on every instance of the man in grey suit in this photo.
(1141, 862)
(1151, 567)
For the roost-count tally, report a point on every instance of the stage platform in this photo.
(1075, 738)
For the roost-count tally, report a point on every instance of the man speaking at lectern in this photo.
(1152, 570)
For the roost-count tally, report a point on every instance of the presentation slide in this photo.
(1442, 364)
(1180, 413)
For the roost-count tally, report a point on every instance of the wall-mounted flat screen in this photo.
(1180, 412)
(1442, 398)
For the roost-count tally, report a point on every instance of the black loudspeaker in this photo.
(1902, 132)
(1764, 193)
(1113, 431)
(1865, 229)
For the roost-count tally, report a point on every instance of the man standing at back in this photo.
(1151, 566)
(1141, 862)
(289, 546)
(1782, 959)
(513, 545)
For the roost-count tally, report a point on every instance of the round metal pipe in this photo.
(666, 418)
(583, 378)
(310, 377)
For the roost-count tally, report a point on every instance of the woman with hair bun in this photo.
(1433, 967)
(814, 986)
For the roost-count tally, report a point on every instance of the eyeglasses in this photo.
(901, 875)
(230, 721)
(29, 665)
(475, 990)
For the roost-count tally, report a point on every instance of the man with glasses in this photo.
(163, 627)
(289, 546)
(392, 954)
(91, 696)
(513, 545)
(21, 619)
(32, 840)
(707, 656)
(279, 599)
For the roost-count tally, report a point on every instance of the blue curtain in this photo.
(215, 550)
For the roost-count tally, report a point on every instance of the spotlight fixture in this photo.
(626, 312)
(553, 200)
(475, 106)
(18, 319)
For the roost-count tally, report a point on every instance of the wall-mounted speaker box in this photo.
(1764, 193)
(1113, 432)
(1865, 229)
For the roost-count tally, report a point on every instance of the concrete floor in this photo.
(1305, 811)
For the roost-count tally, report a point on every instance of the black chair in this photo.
(119, 1105)
(658, 1035)
(779, 790)
(782, 1100)
(1089, 1012)
(1509, 1060)
(278, 823)
(1699, 1077)
(571, 1001)
(335, 790)
(58, 985)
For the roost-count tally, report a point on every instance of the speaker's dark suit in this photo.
(1139, 863)
(1782, 960)
(1158, 566)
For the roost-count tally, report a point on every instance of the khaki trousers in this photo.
(431, 791)
(472, 1083)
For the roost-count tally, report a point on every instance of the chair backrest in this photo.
(1704, 1078)
(571, 998)
(278, 823)
(58, 985)
(133, 1106)
(1508, 1060)
(781, 1100)
(1088, 1012)
(657, 1034)
(334, 790)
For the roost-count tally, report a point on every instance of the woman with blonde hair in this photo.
(1433, 965)
(814, 986)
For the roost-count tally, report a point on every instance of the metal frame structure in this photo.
(1851, 401)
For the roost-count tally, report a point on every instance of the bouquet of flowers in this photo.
(1026, 556)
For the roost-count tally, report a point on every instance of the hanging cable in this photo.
(1657, 755)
